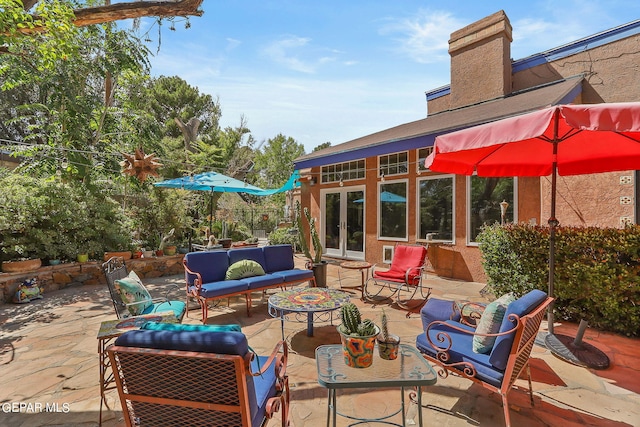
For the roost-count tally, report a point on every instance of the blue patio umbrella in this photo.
(387, 196)
(213, 182)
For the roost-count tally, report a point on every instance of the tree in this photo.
(322, 146)
(275, 163)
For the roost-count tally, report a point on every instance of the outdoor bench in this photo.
(207, 278)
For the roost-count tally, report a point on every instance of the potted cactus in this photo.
(388, 344)
(357, 336)
(315, 261)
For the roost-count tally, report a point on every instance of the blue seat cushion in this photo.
(225, 287)
(257, 282)
(437, 309)
(178, 308)
(278, 257)
(264, 388)
(522, 306)
(294, 275)
(254, 254)
(212, 266)
(461, 351)
(198, 341)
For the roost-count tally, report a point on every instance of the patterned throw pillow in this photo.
(490, 322)
(244, 268)
(133, 292)
(177, 327)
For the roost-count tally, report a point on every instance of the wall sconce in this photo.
(503, 210)
(312, 182)
(382, 177)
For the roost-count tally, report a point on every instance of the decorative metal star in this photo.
(140, 165)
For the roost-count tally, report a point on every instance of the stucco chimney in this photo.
(481, 61)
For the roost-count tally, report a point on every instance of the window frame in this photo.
(398, 165)
(405, 181)
(513, 206)
(453, 207)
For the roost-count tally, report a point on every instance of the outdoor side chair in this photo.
(198, 378)
(115, 269)
(404, 279)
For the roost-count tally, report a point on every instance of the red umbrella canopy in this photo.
(589, 138)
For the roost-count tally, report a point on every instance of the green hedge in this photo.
(597, 270)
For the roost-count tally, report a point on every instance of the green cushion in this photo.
(156, 326)
(244, 268)
(134, 294)
(490, 322)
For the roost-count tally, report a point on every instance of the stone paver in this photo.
(49, 365)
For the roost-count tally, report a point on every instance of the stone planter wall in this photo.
(52, 278)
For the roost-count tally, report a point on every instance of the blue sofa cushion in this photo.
(294, 275)
(199, 341)
(265, 281)
(278, 257)
(461, 351)
(522, 306)
(178, 308)
(157, 326)
(263, 387)
(211, 265)
(225, 287)
(254, 254)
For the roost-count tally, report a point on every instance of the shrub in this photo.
(282, 236)
(597, 270)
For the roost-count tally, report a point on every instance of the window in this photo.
(484, 198)
(423, 153)
(343, 171)
(393, 164)
(392, 209)
(435, 208)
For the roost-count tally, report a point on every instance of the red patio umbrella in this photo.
(563, 139)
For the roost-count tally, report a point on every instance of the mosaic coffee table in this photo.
(306, 304)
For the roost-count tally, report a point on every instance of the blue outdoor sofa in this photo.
(206, 273)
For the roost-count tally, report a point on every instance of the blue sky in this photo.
(338, 70)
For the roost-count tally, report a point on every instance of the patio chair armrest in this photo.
(445, 339)
(279, 356)
(197, 282)
(376, 266)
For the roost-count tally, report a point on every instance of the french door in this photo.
(343, 222)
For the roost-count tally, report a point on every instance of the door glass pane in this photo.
(486, 195)
(332, 221)
(355, 221)
(393, 210)
(436, 208)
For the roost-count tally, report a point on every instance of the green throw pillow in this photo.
(134, 294)
(490, 322)
(156, 326)
(244, 268)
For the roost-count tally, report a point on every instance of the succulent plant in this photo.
(384, 326)
(352, 323)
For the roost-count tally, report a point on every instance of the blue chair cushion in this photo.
(294, 275)
(212, 266)
(264, 387)
(178, 308)
(199, 341)
(461, 351)
(437, 309)
(254, 254)
(157, 326)
(225, 287)
(522, 306)
(265, 281)
(278, 257)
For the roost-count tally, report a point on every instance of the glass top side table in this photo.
(410, 369)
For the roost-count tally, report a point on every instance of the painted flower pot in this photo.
(83, 257)
(388, 350)
(170, 250)
(358, 350)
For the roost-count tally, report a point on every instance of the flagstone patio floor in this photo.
(48, 359)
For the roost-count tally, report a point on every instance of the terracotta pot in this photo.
(358, 351)
(159, 252)
(21, 266)
(124, 254)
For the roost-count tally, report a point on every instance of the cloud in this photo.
(232, 44)
(280, 51)
(424, 36)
